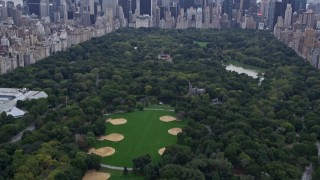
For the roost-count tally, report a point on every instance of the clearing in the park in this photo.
(115, 137)
(103, 151)
(144, 134)
(94, 175)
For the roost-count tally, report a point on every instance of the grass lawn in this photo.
(201, 44)
(143, 134)
(159, 106)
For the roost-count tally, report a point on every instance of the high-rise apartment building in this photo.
(227, 8)
(34, 7)
(288, 16)
(126, 6)
(10, 6)
(298, 5)
(44, 8)
(145, 7)
(109, 4)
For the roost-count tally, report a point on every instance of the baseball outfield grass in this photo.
(143, 134)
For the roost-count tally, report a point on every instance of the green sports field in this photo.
(143, 134)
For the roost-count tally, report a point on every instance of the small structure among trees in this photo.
(215, 101)
(164, 57)
(194, 91)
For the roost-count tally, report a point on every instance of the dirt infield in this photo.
(112, 137)
(161, 151)
(94, 175)
(117, 121)
(167, 118)
(104, 151)
(174, 131)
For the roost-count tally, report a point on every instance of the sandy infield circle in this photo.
(104, 151)
(174, 131)
(112, 137)
(167, 118)
(94, 175)
(118, 121)
(161, 151)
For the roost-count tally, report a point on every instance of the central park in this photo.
(239, 104)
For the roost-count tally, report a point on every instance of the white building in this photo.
(10, 96)
(199, 18)
(143, 21)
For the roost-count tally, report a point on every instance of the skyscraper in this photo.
(85, 12)
(227, 8)
(44, 8)
(3, 12)
(137, 11)
(34, 7)
(277, 9)
(145, 7)
(125, 4)
(109, 4)
(199, 18)
(288, 16)
(298, 5)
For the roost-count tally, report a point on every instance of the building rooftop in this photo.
(10, 96)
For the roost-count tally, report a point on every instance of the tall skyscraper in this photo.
(16, 16)
(199, 18)
(288, 16)
(85, 12)
(133, 5)
(227, 8)
(3, 12)
(44, 8)
(277, 8)
(157, 17)
(125, 4)
(109, 4)
(137, 11)
(271, 14)
(145, 7)
(63, 9)
(298, 5)
(186, 4)
(34, 7)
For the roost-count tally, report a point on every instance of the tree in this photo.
(93, 161)
(125, 171)
(140, 163)
(173, 171)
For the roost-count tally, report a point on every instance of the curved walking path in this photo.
(115, 167)
(151, 109)
(19, 135)
(307, 174)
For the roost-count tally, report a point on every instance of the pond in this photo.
(242, 68)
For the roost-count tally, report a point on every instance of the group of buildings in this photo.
(36, 29)
(300, 30)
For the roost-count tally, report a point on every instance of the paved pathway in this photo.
(115, 167)
(19, 135)
(307, 174)
(151, 109)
